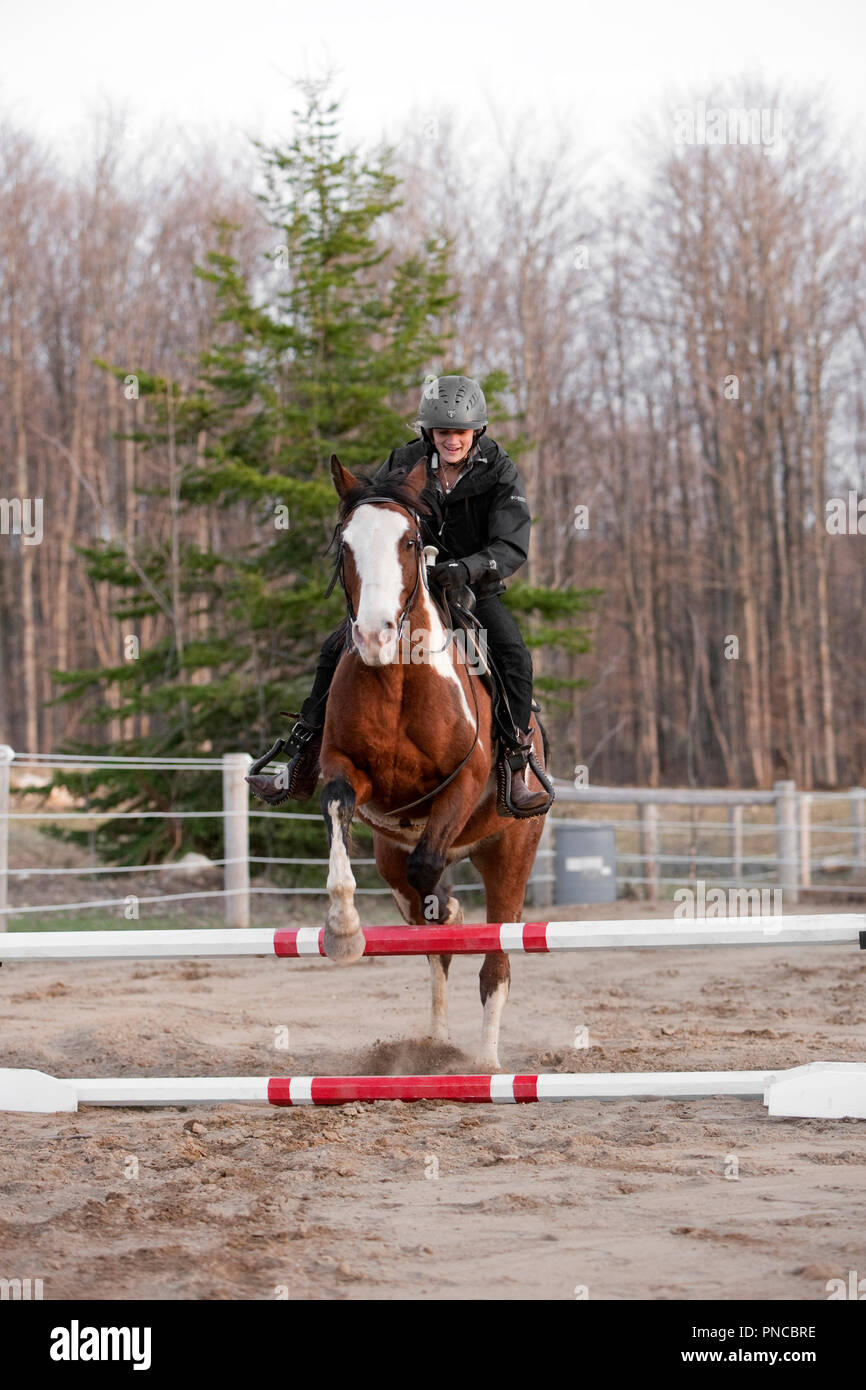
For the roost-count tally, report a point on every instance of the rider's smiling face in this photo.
(453, 445)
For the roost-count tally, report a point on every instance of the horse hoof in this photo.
(344, 949)
(488, 1064)
(453, 913)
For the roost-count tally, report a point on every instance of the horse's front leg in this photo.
(450, 914)
(392, 861)
(344, 939)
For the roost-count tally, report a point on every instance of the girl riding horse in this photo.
(481, 522)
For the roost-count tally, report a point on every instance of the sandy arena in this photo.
(622, 1200)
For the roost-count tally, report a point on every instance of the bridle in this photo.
(415, 542)
(339, 573)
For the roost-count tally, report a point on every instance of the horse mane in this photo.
(393, 487)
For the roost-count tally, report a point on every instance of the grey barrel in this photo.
(585, 863)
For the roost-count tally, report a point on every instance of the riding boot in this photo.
(303, 746)
(519, 799)
(300, 774)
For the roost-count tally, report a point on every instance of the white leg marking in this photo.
(493, 1007)
(439, 1014)
(439, 980)
(454, 913)
(344, 940)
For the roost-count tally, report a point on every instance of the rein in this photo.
(340, 574)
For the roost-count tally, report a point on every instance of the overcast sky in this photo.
(224, 66)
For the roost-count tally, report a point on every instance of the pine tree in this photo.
(328, 362)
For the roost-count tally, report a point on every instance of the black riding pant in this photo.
(504, 643)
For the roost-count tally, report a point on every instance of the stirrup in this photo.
(271, 790)
(263, 761)
(298, 777)
(513, 760)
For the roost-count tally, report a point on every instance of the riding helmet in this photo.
(452, 402)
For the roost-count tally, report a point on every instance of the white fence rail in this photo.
(792, 865)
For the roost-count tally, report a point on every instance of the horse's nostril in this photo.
(376, 636)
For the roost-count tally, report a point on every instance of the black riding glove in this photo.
(451, 574)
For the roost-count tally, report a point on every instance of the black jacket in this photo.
(484, 521)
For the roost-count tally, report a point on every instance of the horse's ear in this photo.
(416, 480)
(342, 478)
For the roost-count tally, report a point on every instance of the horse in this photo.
(408, 747)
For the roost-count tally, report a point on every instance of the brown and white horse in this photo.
(396, 731)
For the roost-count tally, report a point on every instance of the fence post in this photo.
(786, 840)
(858, 821)
(648, 815)
(236, 838)
(6, 756)
(806, 839)
(735, 821)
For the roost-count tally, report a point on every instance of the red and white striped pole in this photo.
(473, 938)
(35, 1091)
(818, 1089)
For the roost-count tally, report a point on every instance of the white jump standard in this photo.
(822, 1090)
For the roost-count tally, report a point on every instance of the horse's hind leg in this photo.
(494, 983)
(504, 864)
(436, 906)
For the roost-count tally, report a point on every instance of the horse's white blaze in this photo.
(374, 540)
(374, 536)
